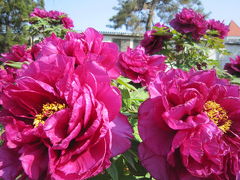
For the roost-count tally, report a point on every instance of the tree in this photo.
(13, 18)
(139, 15)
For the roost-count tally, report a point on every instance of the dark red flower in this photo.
(140, 67)
(190, 127)
(218, 26)
(61, 122)
(233, 67)
(190, 22)
(153, 43)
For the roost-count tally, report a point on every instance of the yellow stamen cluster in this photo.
(48, 109)
(218, 115)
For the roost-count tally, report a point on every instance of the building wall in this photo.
(123, 41)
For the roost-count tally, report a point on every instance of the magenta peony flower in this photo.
(18, 53)
(39, 13)
(67, 22)
(153, 43)
(64, 19)
(233, 67)
(5, 78)
(61, 122)
(218, 26)
(86, 46)
(190, 22)
(139, 67)
(190, 127)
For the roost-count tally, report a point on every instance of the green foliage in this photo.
(137, 15)
(44, 27)
(13, 19)
(185, 53)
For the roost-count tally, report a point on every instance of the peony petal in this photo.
(121, 135)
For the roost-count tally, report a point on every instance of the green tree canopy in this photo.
(138, 15)
(13, 18)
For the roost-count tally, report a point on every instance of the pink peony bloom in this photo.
(39, 13)
(153, 43)
(66, 21)
(190, 127)
(86, 46)
(140, 67)
(61, 122)
(18, 53)
(233, 67)
(218, 26)
(5, 78)
(190, 22)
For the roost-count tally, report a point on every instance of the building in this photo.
(123, 40)
(232, 44)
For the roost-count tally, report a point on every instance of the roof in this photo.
(234, 29)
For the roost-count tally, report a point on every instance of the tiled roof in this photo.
(234, 29)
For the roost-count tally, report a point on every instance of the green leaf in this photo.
(130, 159)
(113, 172)
(124, 83)
(17, 65)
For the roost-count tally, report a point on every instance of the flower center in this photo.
(48, 109)
(218, 115)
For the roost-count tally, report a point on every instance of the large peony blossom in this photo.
(190, 127)
(233, 67)
(154, 43)
(140, 67)
(218, 26)
(86, 46)
(61, 122)
(190, 22)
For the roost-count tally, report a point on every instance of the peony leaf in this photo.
(112, 171)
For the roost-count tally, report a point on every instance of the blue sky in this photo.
(96, 13)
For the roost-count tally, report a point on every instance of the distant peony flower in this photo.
(190, 22)
(190, 127)
(140, 67)
(67, 22)
(62, 17)
(218, 26)
(233, 67)
(61, 122)
(18, 53)
(153, 43)
(39, 13)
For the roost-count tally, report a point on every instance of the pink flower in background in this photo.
(218, 26)
(17, 53)
(67, 22)
(39, 13)
(190, 127)
(234, 66)
(61, 122)
(190, 22)
(153, 43)
(140, 67)
(64, 19)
